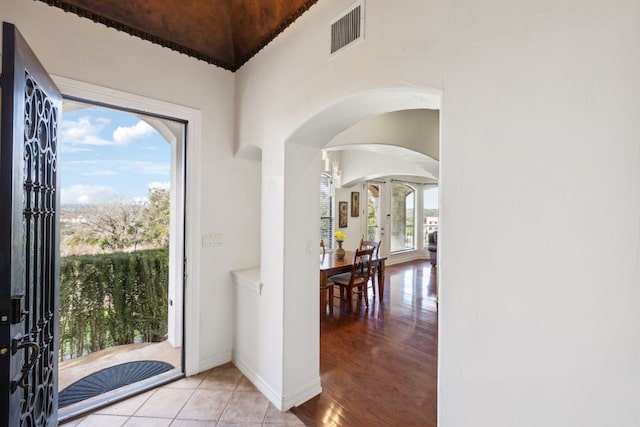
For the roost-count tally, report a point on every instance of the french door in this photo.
(29, 261)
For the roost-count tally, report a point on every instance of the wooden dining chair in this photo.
(375, 246)
(357, 278)
(325, 290)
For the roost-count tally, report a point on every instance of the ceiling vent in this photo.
(348, 27)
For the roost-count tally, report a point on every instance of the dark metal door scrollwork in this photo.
(29, 365)
(29, 260)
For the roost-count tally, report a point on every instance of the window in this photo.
(402, 218)
(431, 213)
(373, 209)
(326, 211)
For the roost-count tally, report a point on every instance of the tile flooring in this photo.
(220, 397)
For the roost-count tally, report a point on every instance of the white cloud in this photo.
(140, 167)
(117, 167)
(84, 131)
(87, 194)
(124, 135)
(100, 172)
(66, 148)
(159, 185)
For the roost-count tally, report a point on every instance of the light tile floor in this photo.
(221, 397)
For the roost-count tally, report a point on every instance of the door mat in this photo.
(109, 379)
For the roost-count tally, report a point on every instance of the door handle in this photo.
(17, 311)
(28, 366)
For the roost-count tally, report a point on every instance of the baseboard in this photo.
(304, 394)
(260, 384)
(283, 403)
(407, 256)
(213, 361)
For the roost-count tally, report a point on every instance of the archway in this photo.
(302, 167)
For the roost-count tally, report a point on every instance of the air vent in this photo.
(347, 28)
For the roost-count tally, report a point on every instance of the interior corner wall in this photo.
(229, 197)
(539, 168)
(269, 338)
(301, 355)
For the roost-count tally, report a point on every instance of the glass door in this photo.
(374, 231)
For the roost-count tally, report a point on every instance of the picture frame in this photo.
(343, 209)
(355, 203)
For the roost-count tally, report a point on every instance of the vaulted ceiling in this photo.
(226, 33)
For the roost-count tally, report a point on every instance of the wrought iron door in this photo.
(29, 260)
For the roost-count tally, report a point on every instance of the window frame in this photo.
(326, 194)
(413, 192)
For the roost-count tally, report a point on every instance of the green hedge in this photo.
(112, 299)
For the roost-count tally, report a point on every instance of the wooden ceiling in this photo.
(226, 33)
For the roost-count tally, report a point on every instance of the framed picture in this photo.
(355, 203)
(343, 209)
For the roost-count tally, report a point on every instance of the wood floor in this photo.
(378, 366)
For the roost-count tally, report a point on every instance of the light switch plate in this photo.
(212, 240)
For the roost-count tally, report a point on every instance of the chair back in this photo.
(370, 244)
(322, 249)
(361, 268)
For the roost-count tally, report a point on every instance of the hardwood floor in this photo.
(378, 366)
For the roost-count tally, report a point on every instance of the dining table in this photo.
(330, 265)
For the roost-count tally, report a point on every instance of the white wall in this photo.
(358, 165)
(539, 171)
(229, 194)
(354, 224)
(301, 296)
(418, 130)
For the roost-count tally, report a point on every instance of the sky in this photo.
(431, 198)
(106, 154)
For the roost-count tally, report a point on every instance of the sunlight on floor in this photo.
(72, 370)
(221, 396)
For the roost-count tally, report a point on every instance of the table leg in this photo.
(323, 295)
(381, 280)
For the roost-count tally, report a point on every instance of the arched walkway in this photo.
(302, 160)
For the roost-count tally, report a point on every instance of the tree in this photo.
(119, 226)
(114, 227)
(156, 216)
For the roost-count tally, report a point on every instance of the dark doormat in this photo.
(109, 379)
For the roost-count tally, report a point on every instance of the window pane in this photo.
(431, 212)
(373, 207)
(402, 218)
(326, 212)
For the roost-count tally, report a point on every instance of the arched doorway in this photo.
(301, 171)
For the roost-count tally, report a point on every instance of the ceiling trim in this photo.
(84, 13)
(137, 33)
(268, 38)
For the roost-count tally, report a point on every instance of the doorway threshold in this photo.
(74, 370)
(80, 409)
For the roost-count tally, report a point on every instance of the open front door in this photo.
(29, 260)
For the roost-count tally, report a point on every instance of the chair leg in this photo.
(366, 294)
(373, 283)
(331, 300)
(350, 297)
(323, 302)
